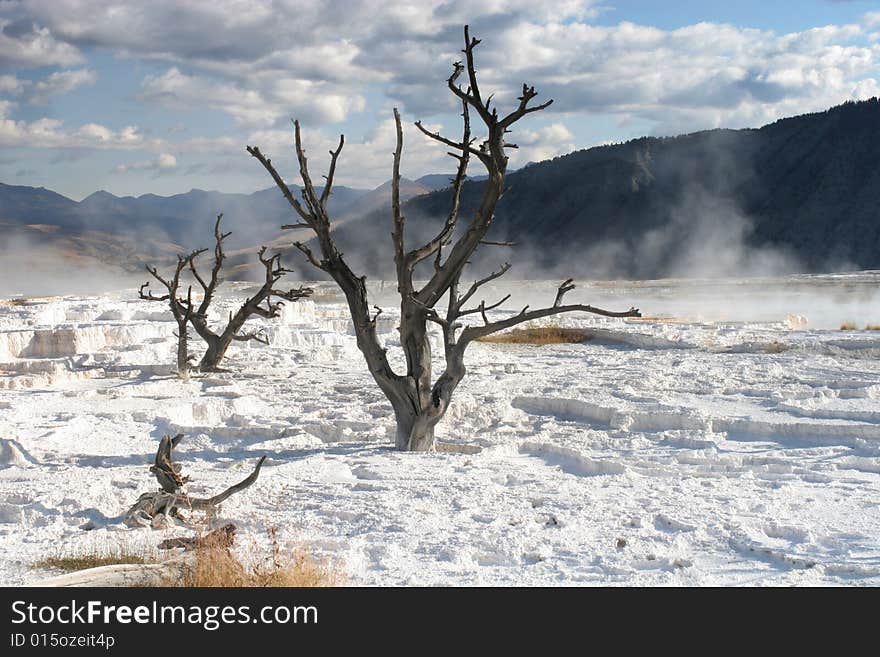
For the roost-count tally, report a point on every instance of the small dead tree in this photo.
(218, 341)
(172, 498)
(186, 311)
(419, 402)
(181, 307)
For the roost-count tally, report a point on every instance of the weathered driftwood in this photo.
(172, 498)
(124, 575)
(166, 472)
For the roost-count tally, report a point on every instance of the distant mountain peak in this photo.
(99, 195)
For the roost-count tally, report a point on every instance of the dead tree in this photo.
(218, 341)
(419, 401)
(186, 311)
(181, 308)
(172, 498)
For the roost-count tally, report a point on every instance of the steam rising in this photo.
(706, 237)
(31, 268)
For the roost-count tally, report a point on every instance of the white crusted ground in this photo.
(735, 445)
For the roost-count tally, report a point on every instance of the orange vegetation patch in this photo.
(541, 335)
(661, 320)
(217, 566)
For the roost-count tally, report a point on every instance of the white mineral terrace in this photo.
(733, 439)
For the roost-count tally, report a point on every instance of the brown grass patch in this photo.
(27, 301)
(848, 326)
(219, 567)
(775, 347)
(872, 327)
(71, 563)
(541, 335)
(211, 565)
(659, 320)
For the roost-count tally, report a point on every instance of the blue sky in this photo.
(162, 97)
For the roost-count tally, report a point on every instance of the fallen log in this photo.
(128, 574)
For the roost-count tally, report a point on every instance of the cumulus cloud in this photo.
(311, 100)
(61, 82)
(24, 44)
(164, 162)
(696, 77)
(38, 92)
(51, 133)
(543, 143)
(10, 84)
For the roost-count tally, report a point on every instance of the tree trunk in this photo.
(415, 432)
(182, 349)
(415, 425)
(214, 354)
(218, 344)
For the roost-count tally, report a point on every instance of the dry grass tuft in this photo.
(220, 567)
(848, 326)
(775, 347)
(872, 327)
(211, 565)
(540, 336)
(71, 563)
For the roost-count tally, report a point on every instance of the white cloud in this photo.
(51, 133)
(24, 44)
(55, 84)
(310, 100)
(59, 83)
(9, 84)
(164, 162)
(541, 143)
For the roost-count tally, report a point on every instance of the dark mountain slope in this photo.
(801, 193)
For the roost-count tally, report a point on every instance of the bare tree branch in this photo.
(482, 308)
(567, 286)
(527, 94)
(334, 155)
(398, 218)
(473, 332)
(256, 336)
(279, 182)
(436, 244)
(148, 296)
(478, 283)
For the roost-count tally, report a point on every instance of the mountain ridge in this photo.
(799, 194)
